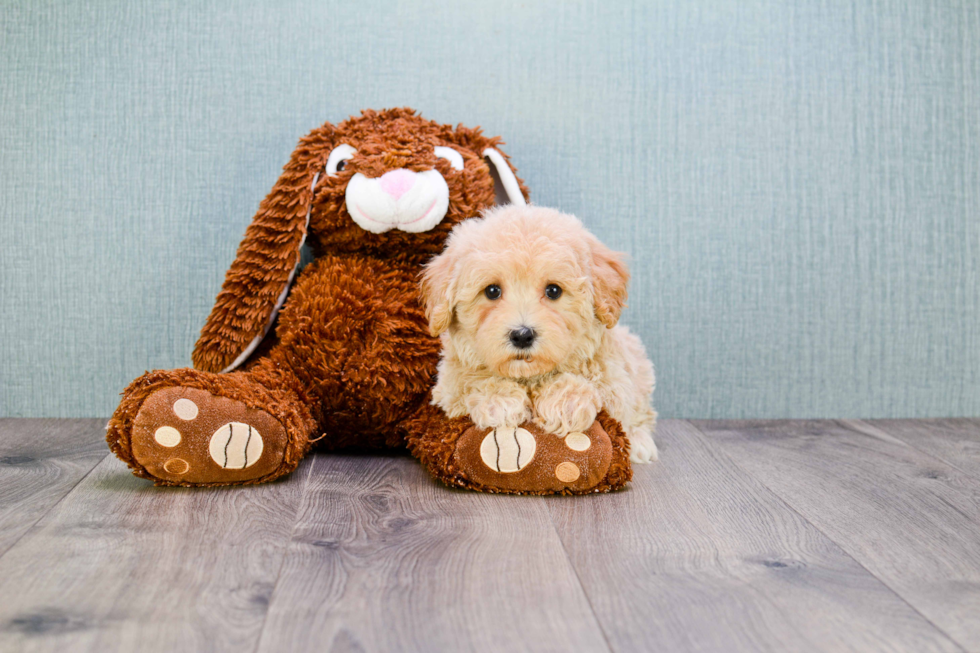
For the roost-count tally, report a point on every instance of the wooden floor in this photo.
(747, 536)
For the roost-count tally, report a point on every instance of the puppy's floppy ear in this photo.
(506, 186)
(439, 290)
(609, 278)
(256, 284)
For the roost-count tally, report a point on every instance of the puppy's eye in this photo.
(341, 165)
(492, 291)
(551, 291)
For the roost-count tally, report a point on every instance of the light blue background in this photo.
(798, 183)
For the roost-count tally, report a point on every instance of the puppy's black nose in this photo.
(522, 338)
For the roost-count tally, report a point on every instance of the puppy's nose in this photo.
(523, 337)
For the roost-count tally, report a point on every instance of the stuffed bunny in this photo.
(350, 362)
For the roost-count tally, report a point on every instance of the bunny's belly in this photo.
(355, 334)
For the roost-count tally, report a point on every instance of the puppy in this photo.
(526, 302)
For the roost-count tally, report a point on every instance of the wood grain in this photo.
(698, 556)
(122, 565)
(802, 536)
(909, 518)
(41, 460)
(954, 441)
(385, 559)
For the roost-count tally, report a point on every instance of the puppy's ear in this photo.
(609, 278)
(438, 291)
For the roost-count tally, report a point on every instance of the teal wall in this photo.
(798, 182)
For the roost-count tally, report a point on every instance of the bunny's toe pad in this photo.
(527, 459)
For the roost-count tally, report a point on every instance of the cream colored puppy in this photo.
(526, 302)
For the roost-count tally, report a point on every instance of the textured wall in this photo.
(798, 182)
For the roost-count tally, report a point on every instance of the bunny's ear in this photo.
(257, 283)
(506, 186)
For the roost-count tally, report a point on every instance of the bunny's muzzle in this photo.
(399, 199)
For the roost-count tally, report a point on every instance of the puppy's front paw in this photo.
(567, 404)
(642, 447)
(505, 410)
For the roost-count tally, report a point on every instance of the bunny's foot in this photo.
(525, 460)
(185, 427)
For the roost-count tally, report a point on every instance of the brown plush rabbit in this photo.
(351, 357)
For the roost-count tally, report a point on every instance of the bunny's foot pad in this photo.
(188, 436)
(528, 460)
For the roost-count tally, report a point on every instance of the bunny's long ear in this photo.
(506, 186)
(256, 285)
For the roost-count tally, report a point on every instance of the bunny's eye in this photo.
(492, 291)
(339, 158)
(552, 291)
(449, 154)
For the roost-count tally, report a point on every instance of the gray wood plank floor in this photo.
(40, 462)
(909, 518)
(747, 536)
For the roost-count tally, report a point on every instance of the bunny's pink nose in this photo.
(397, 182)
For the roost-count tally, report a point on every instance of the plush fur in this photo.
(351, 362)
(580, 360)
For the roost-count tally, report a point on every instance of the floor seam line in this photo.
(285, 554)
(53, 506)
(929, 454)
(839, 546)
(578, 579)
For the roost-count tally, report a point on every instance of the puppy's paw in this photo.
(505, 409)
(568, 404)
(642, 447)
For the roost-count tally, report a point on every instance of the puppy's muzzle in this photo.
(522, 337)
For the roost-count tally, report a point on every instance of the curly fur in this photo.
(351, 361)
(581, 360)
(397, 138)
